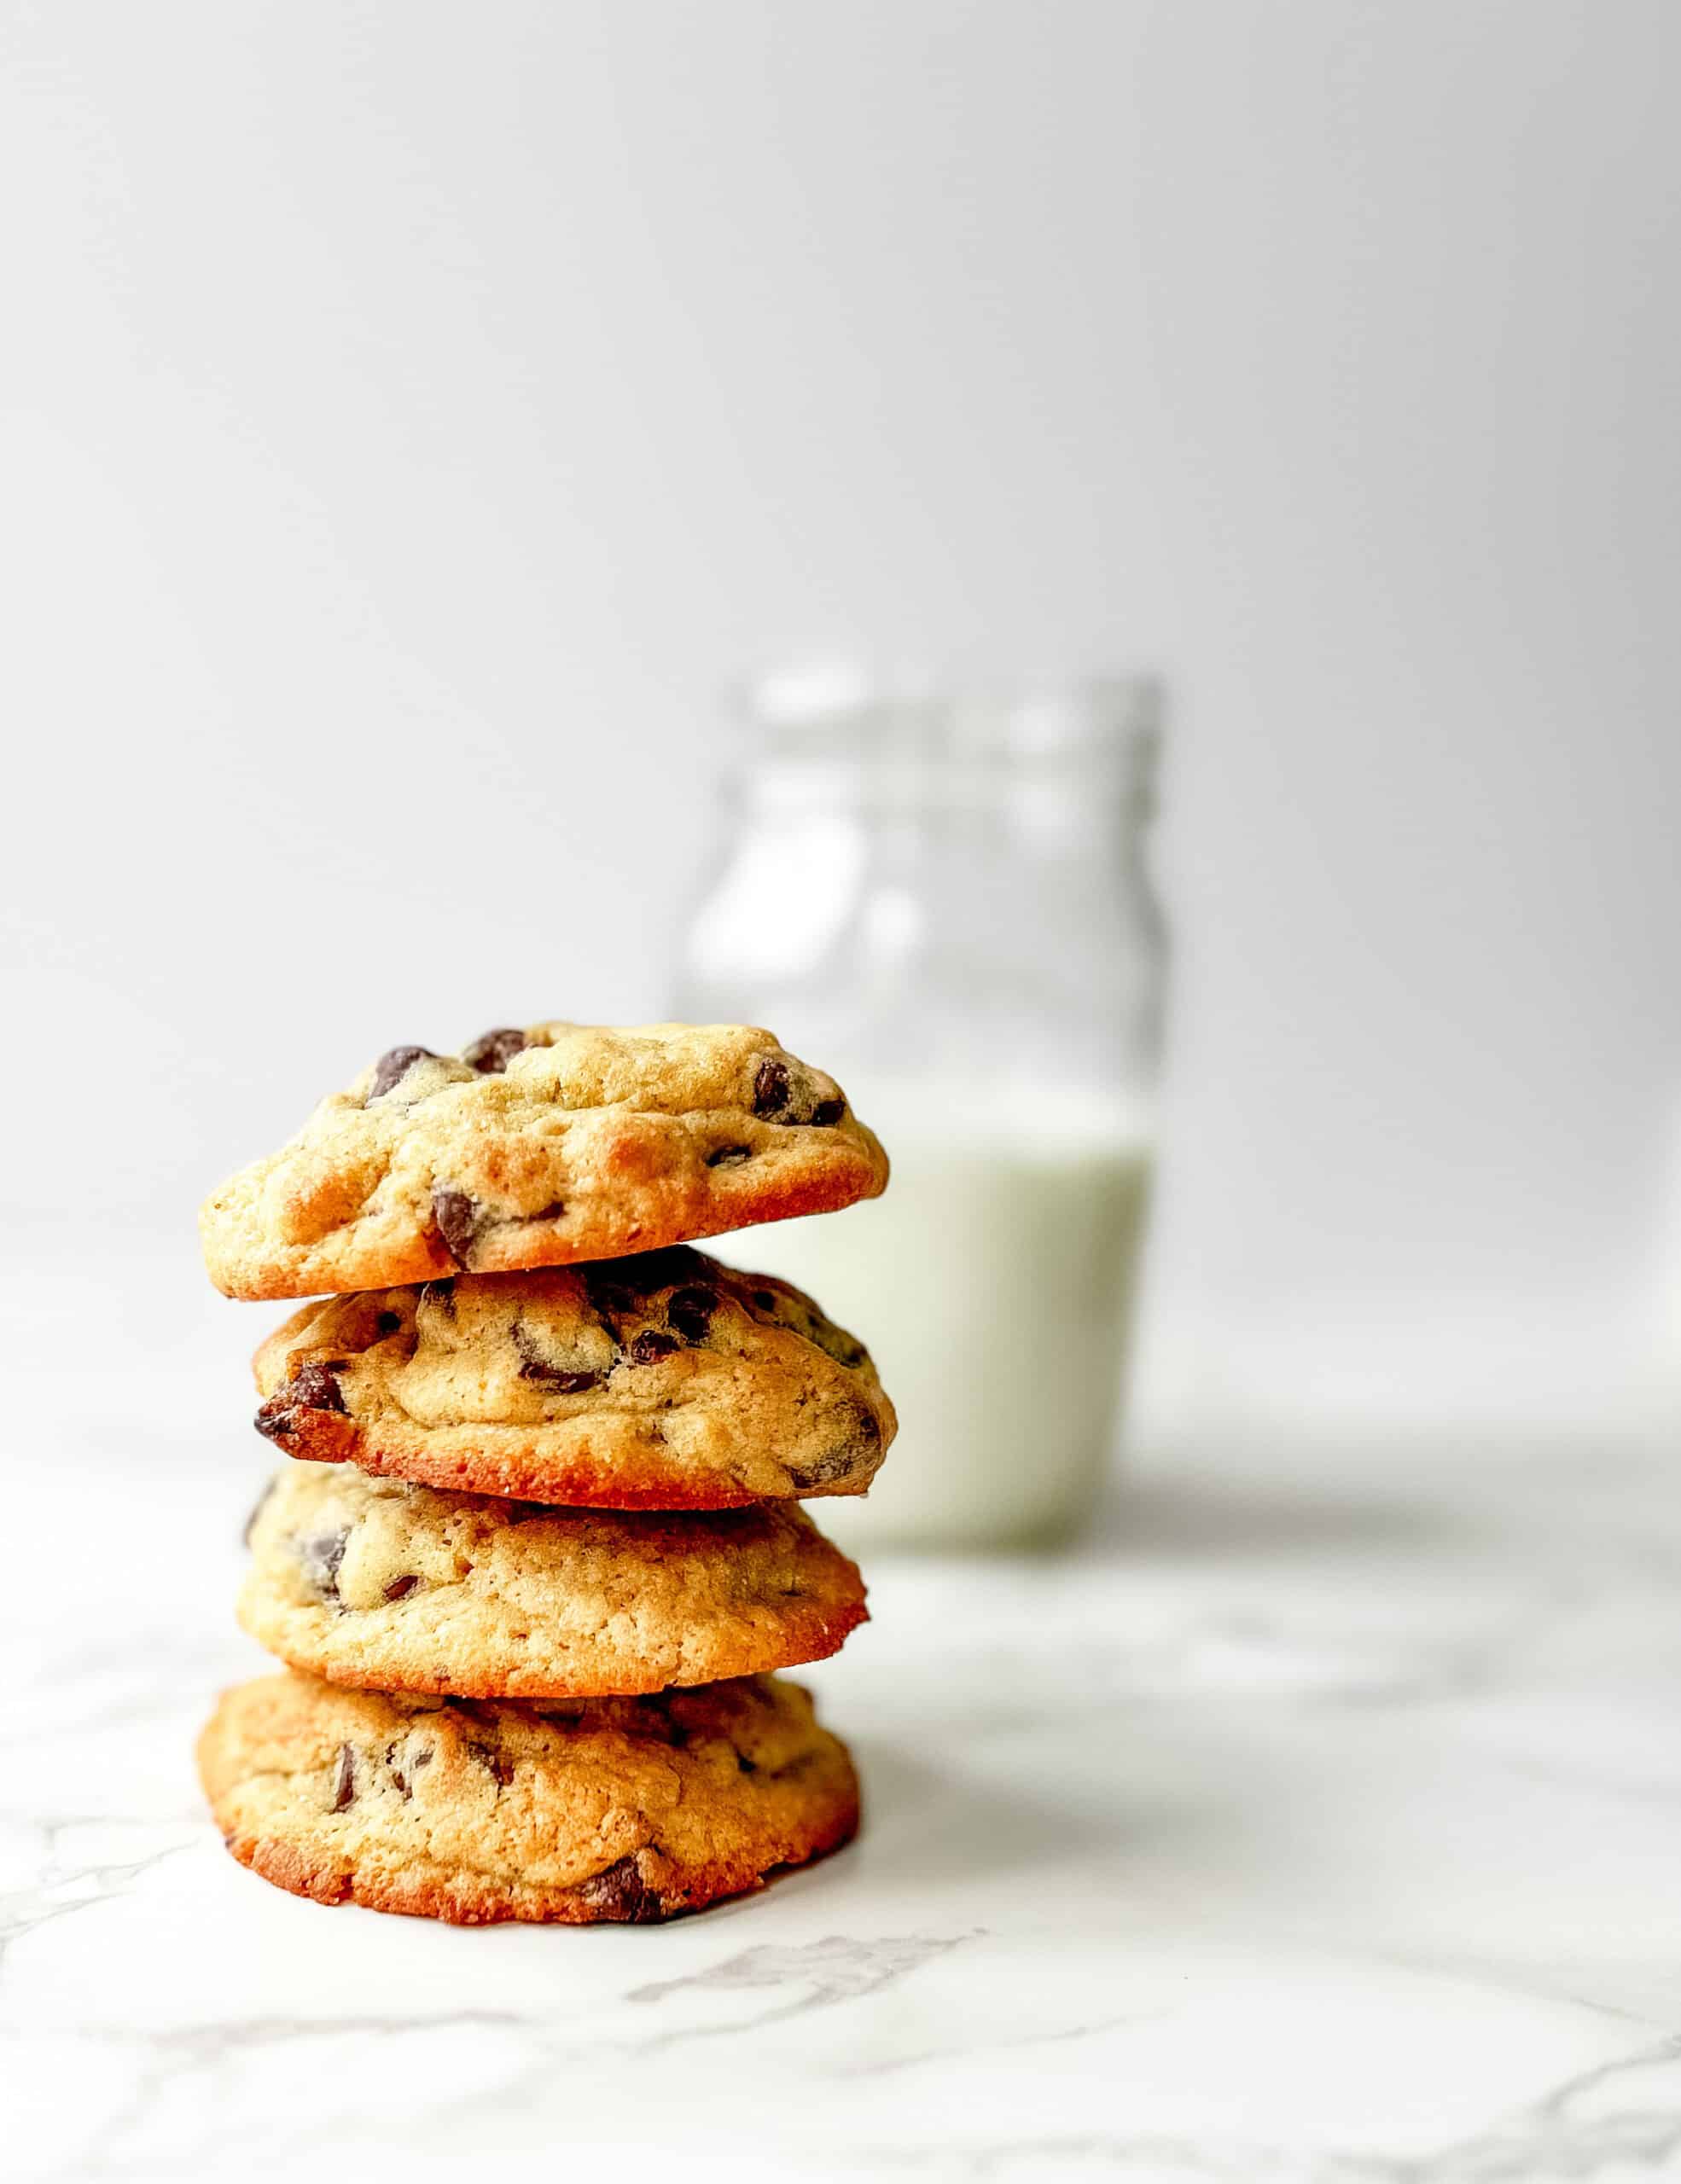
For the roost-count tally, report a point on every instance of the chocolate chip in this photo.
(501, 1771)
(491, 1052)
(767, 1300)
(344, 1778)
(550, 1376)
(562, 1379)
(400, 1588)
(316, 1387)
(393, 1067)
(690, 1311)
(321, 1558)
(312, 1387)
(651, 1344)
(729, 1156)
(389, 1322)
(746, 1766)
(619, 1893)
(403, 1773)
(868, 1425)
(458, 1218)
(440, 1295)
(828, 1112)
(262, 1501)
(771, 1087)
(823, 1470)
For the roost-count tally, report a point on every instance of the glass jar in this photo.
(945, 901)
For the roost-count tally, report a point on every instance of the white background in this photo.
(411, 415)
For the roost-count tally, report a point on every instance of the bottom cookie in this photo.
(476, 1810)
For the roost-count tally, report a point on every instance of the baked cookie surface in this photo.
(538, 1147)
(618, 1810)
(374, 1582)
(662, 1381)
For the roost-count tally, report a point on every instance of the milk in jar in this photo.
(943, 901)
(993, 1283)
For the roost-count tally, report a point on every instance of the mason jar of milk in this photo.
(944, 900)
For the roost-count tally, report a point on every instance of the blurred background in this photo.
(416, 421)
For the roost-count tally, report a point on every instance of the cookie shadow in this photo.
(924, 1825)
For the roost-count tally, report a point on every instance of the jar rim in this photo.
(842, 729)
(1027, 713)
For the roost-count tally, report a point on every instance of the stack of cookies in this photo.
(539, 1549)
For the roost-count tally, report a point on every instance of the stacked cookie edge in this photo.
(559, 1707)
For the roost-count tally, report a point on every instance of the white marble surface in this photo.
(1323, 1826)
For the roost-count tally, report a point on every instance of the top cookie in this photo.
(533, 1148)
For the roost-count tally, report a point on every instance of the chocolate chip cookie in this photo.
(628, 1810)
(663, 1381)
(400, 1587)
(538, 1147)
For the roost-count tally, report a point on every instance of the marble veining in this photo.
(823, 1974)
(1317, 1825)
